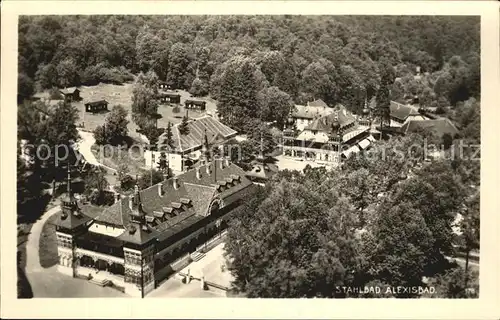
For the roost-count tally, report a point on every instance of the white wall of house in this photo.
(174, 160)
(302, 123)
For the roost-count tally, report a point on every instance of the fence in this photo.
(209, 284)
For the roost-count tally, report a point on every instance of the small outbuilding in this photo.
(195, 104)
(169, 97)
(96, 106)
(70, 94)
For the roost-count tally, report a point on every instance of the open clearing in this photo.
(122, 94)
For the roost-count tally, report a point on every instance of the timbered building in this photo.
(96, 106)
(134, 243)
(195, 104)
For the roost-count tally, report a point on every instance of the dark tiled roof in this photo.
(71, 221)
(71, 214)
(324, 124)
(138, 234)
(216, 173)
(117, 214)
(439, 126)
(202, 195)
(401, 111)
(215, 130)
(96, 103)
(181, 206)
(195, 102)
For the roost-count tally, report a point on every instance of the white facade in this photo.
(174, 160)
(302, 123)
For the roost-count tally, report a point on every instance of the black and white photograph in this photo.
(304, 156)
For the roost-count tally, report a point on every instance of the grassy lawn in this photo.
(112, 157)
(48, 244)
(122, 94)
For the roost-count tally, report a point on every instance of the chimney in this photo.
(117, 197)
(226, 160)
(198, 173)
(208, 168)
(160, 190)
(175, 183)
(221, 164)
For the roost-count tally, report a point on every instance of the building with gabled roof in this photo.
(134, 242)
(440, 127)
(401, 113)
(328, 138)
(302, 115)
(188, 145)
(70, 94)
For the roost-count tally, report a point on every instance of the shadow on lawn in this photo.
(24, 290)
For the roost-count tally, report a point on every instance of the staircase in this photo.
(197, 256)
(102, 283)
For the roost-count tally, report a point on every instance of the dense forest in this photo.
(334, 58)
(305, 233)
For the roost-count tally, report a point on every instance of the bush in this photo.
(105, 74)
(100, 198)
(127, 183)
(54, 94)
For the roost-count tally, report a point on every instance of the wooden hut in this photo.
(96, 106)
(169, 97)
(70, 94)
(195, 104)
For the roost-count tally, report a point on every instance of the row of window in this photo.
(64, 243)
(134, 278)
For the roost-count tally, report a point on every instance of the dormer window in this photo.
(185, 201)
(157, 214)
(132, 229)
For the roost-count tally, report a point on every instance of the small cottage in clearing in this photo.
(70, 94)
(96, 106)
(169, 97)
(195, 104)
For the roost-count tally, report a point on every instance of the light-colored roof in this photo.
(401, 111)
(310, 112)
(70, 90)
(317, 103)
(350, 151)
(364, 143)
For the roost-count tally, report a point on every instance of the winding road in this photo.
(84, 146)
